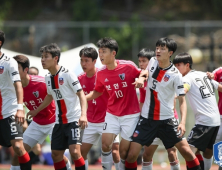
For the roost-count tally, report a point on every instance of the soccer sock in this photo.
(68, 165)
(60, 165)
(147, 165)
(175, 165)
(24, 161)
(193, 165)
(117, 165)
(122, 164)
(15, 167)
(80, 164)
(86, 164)
(107, 160)
(130, 166)
(207, 163)
(200, 158)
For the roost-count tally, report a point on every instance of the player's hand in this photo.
(210, 75)
(181, 128)
(31, 114)
(19, 117)
(139, 83)
(83, 123)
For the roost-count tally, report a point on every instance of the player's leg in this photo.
(115, 152)
(172, 156)
(219, 136)
(148, 153)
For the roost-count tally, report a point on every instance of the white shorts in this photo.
(124, 125)
(219, 134)
(36, 133)
(92, 134)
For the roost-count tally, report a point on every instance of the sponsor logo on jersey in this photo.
(75, 83)
(217, 150)
(1, 69)
(36, 94)
(48, 83)
(122, 76)
(61, 81)
(136, 133)
(166, 78)
(151, 70)
(106, 80)
(14, 73)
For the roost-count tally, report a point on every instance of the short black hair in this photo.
(108, 42)
(35, 68)
(145, 52)
(89, 52)
(183, 58)
(169, 43)
(52, 48)
(2, 38)
(23, 60)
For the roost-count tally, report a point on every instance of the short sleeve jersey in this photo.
(118, 83)
(162, 86)
(8, 75)
(96, 111)
(34, 94)
(218, 77)
(63, 87)
(202, 98)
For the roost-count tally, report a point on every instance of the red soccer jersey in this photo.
(96, 111)
(118, 83)
(34, 95)
(218, 77)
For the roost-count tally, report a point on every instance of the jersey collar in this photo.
(171, 64)
(57, 72)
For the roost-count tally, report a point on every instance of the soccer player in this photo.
(200, 93)
(117, 78)
(96, 111)
(157, 116)
(144, 57)
(64, 87)
(11, 108)
(33, 71)
(35, 90)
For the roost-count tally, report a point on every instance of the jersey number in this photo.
(94, 101)
(119, 93)
(206, 89)
(57, 93)
(13, 127)
(154, 84)
(75, 133)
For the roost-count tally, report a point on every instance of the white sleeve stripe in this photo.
(128, 62)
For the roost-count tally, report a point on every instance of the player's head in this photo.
(2, 38)
(33, 71)
(144, 57)
(165, 47)
(183, 63)
(108, 49)
(23, 65)
(88, 56)
(50, 55)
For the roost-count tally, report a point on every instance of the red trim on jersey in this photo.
(1, 116)
(160, 75)
(156, 112)
(56, 81)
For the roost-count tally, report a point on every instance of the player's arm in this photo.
(48, 99)
(83, 119)
(139, 83)
(19, 116)
(93, 95)
(210, 75)
(183, 112)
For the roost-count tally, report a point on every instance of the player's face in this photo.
(106, 55)
(87, 64)
(143, 62)
(33, 71)
(163, 53)
(183, 68)
(48, 61)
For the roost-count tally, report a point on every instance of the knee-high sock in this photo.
(107, 160)
(122, 164)
(25, 162)
(175, 165)
(147, 165)
(207, 163)
(130, 166)
(200, 158)
(60, 165)
(117, 165)
(193, 165)
(80, 164)
(68, 165)
(15, 167)
(86, 164)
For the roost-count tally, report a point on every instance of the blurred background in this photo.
(195, 25)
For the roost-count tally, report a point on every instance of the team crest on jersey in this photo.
(61, 81)
(1, 69)
(217, 150)
(166, 78)
(36, 94)
(136, 133)
(122, 76)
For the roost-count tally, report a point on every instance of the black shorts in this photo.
(64, 135)
(202, 137)
(147, 130)
(9, 130)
